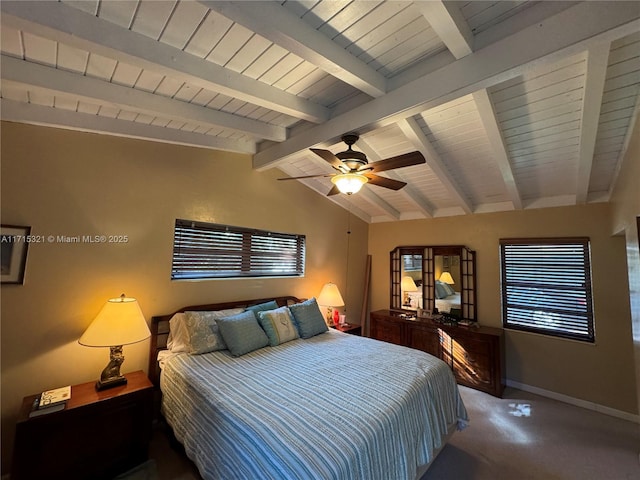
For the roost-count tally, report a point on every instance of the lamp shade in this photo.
(408, 285)
(330, 296)
(120, 322)
(349, 183)
(446, 277)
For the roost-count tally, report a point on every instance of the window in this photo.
(546, 287)
(208, 250)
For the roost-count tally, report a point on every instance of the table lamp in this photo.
(330, 297)
(407, 285)
(120, 322)
(446, 277)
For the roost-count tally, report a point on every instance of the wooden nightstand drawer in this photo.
(97, 436)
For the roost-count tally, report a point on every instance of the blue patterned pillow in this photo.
(242, 333)
(202, 330)
(278, 324)
(272, 305)
(308, 318)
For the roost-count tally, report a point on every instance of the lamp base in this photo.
(111, 382)
(111, 376)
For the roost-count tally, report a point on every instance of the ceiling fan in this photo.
(354, 170)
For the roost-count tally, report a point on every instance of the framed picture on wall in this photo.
(14, 241)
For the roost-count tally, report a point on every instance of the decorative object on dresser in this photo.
(330, 297)
(99, 434)
(15, 241)
(120, 322)
(475, 353)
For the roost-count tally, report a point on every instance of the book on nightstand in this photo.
(51, 401)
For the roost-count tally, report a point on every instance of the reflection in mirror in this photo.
(448, 283)
(434, 278)
(411, 281)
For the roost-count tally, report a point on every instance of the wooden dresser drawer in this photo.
(425, 339)
(473, 345)
(387, 331)
(475, 354)
(471, 369)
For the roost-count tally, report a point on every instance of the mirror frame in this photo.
(468, 294)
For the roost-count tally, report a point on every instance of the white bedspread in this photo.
(444, 305)
(335, 406)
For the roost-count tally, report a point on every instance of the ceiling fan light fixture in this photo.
(349, 183)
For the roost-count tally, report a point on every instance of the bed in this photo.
(331, 405)
(447, 298)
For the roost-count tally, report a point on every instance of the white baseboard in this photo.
(575, 401)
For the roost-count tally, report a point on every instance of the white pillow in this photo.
(178, 340)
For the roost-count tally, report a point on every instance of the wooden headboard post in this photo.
(160, 327)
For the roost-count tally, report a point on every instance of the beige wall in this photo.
(626, 209)
(69, 183)
(601, 373)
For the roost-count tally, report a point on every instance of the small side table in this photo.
(97, 436)
(348, 328)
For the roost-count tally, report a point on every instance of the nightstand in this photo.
(352, 329)
(97, 436)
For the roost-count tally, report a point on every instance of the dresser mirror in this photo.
(434, 277)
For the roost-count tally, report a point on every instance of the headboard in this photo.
(160, 326)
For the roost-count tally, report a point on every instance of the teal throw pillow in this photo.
(278, 324)
(308, 318)
(242, 333)
(272, 305)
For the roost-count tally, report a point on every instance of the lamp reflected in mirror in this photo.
(445, 277)
(407, 285)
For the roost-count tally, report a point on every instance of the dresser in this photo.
(475, 354)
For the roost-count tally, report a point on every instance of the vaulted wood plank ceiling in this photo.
(514, 104)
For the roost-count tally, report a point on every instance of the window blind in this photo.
(208, 250)
(546, 287)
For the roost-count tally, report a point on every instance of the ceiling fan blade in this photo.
(331, 158)
(384, 182)
(405, 160)
(334, 191)
(306, 176)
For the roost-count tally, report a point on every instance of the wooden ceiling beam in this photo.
(71, 26)
(568, 32)
(414, 134)
(595, 77)
(410, 194)
(490, 122)
(277, 24)
(447, 21)
(15, 111)
(89, 89)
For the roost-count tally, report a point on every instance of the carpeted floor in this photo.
(527, 437)
(521, 436)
